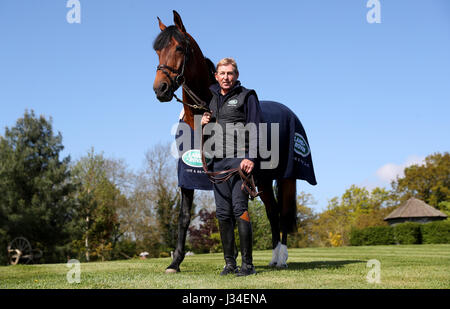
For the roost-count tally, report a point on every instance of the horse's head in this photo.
(173, 48)
(181, 63)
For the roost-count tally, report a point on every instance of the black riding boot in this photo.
(228, 244)
(246, 241)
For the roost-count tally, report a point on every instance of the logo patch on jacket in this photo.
(300, 145)
(233, 102)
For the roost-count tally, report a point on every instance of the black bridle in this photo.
(179, 80)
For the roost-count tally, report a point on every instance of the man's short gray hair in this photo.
(228, 61)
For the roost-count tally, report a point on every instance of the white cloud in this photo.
(371, 183)
(391, 171)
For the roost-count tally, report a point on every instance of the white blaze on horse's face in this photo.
(226, 77)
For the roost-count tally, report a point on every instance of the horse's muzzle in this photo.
(163, 92)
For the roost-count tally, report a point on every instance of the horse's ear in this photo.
(161, 25)
(178, 22)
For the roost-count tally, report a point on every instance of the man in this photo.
(233, 104)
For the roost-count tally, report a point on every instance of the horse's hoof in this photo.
(171, 271)
(275, 253)
(282, 257)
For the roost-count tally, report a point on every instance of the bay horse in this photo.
(182, 64)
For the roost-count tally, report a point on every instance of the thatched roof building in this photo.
(414, 210)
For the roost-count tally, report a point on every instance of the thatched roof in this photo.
(414, 208)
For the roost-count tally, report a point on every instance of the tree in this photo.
(306, 217)
(429, 182)
(381, 203)
(139, 220)
(334, 222)
(35, 187)
(357, 207)
(205, 238)
(167, 212)
(262, 235)
(164, 195)
(99, 200)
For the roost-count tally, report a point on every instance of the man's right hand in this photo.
(206, 118)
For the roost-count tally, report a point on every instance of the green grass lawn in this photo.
(404, 266)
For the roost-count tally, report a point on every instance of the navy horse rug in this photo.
(286, 141)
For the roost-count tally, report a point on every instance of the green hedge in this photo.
(436, 232)
(408, 233)
(377, 235)
(405, 233)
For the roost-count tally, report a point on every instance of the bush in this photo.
(262, 234)
(375, 235)
(408, 233)
(356, 237)
(380, 235)
(164, 254)
(437, 232)
(124, 249)
(201, 238)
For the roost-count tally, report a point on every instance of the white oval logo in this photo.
(300, 145)
(233, 102)
(193, 158)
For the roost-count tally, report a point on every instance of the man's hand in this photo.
(247, 165)
(206, 118)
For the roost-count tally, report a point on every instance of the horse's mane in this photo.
(163, 39)
(211, 69)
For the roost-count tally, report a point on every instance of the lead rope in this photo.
(248, 182)
(199, 103)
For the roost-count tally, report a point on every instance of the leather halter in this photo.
(178, 80)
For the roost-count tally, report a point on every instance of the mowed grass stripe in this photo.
(410, 266)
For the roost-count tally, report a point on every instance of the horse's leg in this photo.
(273, 214)
(288, 217)
(184, 219)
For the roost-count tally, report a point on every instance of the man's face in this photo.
(226, 77)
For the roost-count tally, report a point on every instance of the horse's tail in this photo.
(286, 192)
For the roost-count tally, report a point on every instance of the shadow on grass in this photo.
(313, 265)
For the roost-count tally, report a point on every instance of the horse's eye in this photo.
(179, 49)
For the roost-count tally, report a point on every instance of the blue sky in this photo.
(372, 97)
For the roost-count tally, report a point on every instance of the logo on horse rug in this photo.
(300, 145)
(192, 158)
